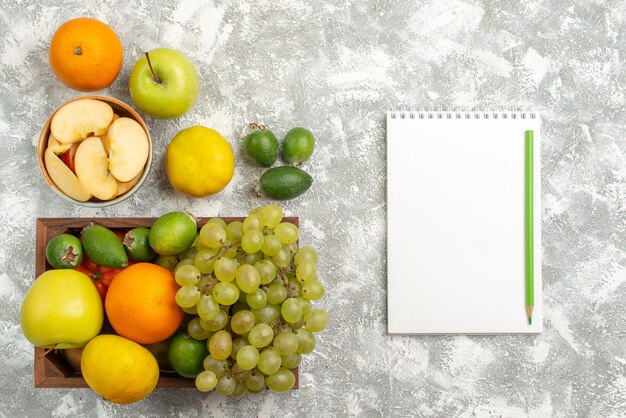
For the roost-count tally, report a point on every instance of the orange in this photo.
(140, 303)
(85, 54)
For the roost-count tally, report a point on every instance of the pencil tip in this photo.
(530, 320)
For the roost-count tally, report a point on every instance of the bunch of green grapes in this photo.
(250, 289)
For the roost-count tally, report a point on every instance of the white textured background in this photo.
(335, 67)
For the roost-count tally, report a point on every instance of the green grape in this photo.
(225, 269)
(305, 304)
(204, 283)
(248, 357)
(281, 381)
(313, 290)
(291, 361)
(271, 245)
(190, 311)
(242, 322)
(195, 330)
(206, 381)
(207, 307)
(168, 262)
(232, 251)
(204, 261)
(198, 244)
(212, 235)
(306, 253)
(238, 373)
(293, 287)
(255, 380)
(251, 258)
(287, 232)
(187, 296)
(217, 221)
(219, 367)
(247, 278)
(187, 275)
(256, 299)
(269, 361)
(306, 341)
(217, 323)
(261, 335)
(225, 384)
(240, 390)
(282, 258)
(238, 343)
(188, 253)
(271, 215)
(182, 263)
(267, 314)
(306, 271)
(267, 271)
(251, 223)
(285, 343)
(276, 293)
(316, 320)
(220, 345)
(291, 310)
(234, 231)
(225, 293)
(252, 241)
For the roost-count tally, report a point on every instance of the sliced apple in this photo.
(105, 137)
(80, 119)
(56, 146)
(91, 164)
(123, 187)
(64, 178)
(128, 149)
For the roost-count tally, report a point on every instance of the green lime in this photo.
(298, 145)
(173, 233)
(137, 246)
(186, 355)
(64, 251)
(262, 147)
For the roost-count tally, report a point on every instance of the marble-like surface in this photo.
(336, 66)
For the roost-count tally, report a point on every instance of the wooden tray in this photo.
(52, 370)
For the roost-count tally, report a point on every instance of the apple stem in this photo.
(156, 78)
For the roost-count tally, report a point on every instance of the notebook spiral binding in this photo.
(440, 112)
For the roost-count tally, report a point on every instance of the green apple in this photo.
(62, 309)
(164, 83)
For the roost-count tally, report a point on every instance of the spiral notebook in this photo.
(456, 222)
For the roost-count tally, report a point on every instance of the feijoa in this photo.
(284, 183)
(262, 146)
(64, 251)
(103, 247)
(137, 245)
(298, 145)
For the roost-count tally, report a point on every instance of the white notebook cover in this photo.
(455, 222)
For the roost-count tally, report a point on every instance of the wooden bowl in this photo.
(121, 109)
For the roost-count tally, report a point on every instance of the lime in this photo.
(186, 355)
(173, 233)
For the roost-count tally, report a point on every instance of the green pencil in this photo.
(529, 226)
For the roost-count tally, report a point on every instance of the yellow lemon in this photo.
(119, 369)
(199, 161)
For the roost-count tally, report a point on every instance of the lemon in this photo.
(119, 369)
(199, 161)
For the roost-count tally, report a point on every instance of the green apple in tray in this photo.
(62, 309)
(164, 83)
